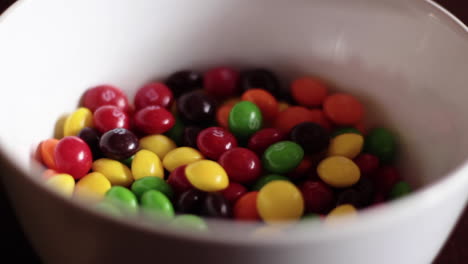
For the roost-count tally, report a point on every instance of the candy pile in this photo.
(223, 144)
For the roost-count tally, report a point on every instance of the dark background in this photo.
(15, 246)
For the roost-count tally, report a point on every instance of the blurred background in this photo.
(16, 247)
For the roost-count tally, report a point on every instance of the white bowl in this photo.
(406, 59)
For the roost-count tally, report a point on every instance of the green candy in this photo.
(345, 130)
(128, 161)
(400, 189)
(109, 209)
(123, 199)
(177, 131)
(282, 157)
(145, 184)
(266, 179)
(245, 119)
(189, 222)
(156, 205)
(381, 143)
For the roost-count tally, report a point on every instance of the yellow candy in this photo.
(343, 210)
(62, 183)
(159, 144)
(181, 156)
(338, 171)
(59, 124)
(146, 163)
(207, 175)
(92, 187)
(347, 145)
(280, 201)
(78, 120)
(283, 106)
(116, 172)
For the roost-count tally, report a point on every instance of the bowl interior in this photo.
(404, 59)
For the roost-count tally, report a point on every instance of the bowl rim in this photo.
(369, 219)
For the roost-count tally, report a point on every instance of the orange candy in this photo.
(320, 118)
(264, 100)
(47, 174)
(308, 91)
(292, 116)
(222, 114)
(245, 208)
(46, 152)
(343, 109)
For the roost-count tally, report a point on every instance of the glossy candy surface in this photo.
(180, 156)
(184, 81)
(190, 201)
(156, 205)
(207, 175)
(178, 180)
(263, 138)
(318, 197)
(76, 121)
(312, 137)
(144, 184)
(73, 156)
(108, 117)
(92, 137)
(291, 117)
(214, 141)
(157, 94)
(190, 136)
(221, 82)
(101, 95)
(196, 107)
(116, 172)
(343, 109)
(347, 145)
(242, 165)
(146, 163)
(233, 192)
(62, 183)
(92, 187)
(47, 152)
(118, 144)
(264, 180)
(123, 198)
(282, 157)
(153, 120)
(265, 101)
(245, 119)
(280, 201)
(215, 205)
(246, 207)
(158, 144)
(338, 171)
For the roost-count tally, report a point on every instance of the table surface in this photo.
(16, 246)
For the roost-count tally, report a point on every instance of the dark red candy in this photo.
(184, 81)
(233, 192)
(190, 135)
(312, 137)
(196, 107)
(101, 95)
(262, 139)
(318, 197)
(190, 202)
(215, 205)
(214, 141)
(91, 136)
(385, 178)
(259, 79)
(221, 82)
(366, 191)
(153, 94)
(73, 156)
(178, 180)
(302, 170)
(108, 117)
(242, 165)
(119, 144)
(154, 120)
(367, 163)
(349, 196)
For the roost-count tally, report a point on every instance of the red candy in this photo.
(214, 141)
(262, 139)
(385, 178)
(105, 95)
(241, 164)
(343, 109)
(108, 117)
(317, 116)
(221, 82)
(291, 117)
(308, 91)
(73, 156)
(178, 180)
(153, 94)
(246, 207)
(233, 192)
(318, 197)
(302, 170)
(153, 120)
(367, 163)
